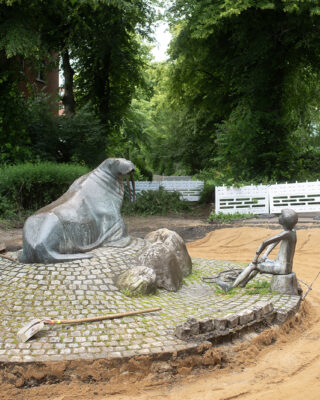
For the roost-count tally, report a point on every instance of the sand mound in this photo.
(240, 244)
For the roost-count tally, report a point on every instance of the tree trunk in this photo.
(68, 97)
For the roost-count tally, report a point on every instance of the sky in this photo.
(163, 38)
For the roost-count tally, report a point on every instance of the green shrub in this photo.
(78, 139)
(14, 140)
(227, 218)
(139, 174)
(309, 166)
(142, 172)
(155, 202)
(28, 187)
(207, 193)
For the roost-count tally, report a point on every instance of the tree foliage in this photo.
(101, 42)
(239, 96)
(246, 72)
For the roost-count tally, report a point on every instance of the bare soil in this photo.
(279, 364)
(188, 226)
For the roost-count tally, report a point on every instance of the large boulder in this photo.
(165, 264)
(137, 281)
(176, 244)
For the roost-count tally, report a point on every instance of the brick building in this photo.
(43, 80)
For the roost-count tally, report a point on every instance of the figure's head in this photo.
(288, 218)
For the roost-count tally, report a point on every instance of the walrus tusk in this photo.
(133, 186)
(128, 186)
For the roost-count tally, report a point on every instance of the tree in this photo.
(247, 73)
(100, 43)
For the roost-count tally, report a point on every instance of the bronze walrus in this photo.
(82, 219)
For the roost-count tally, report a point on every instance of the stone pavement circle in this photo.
(85, 288)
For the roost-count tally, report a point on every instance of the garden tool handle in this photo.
(101, 317)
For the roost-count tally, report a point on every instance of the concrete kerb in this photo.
(86, 288)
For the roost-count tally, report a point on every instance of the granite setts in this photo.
(213, 328)
(86, 288)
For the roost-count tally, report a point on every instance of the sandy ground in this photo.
(282, 364)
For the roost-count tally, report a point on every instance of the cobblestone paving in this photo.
(85, 288)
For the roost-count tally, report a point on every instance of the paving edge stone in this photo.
(196, 330)
(201, 352)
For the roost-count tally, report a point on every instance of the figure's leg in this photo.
(224, 285)
(245, 276)
(271, 267)
(252, 275)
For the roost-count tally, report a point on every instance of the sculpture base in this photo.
(285, 284)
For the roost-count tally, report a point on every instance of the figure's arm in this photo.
(268, 251)
(274, 240)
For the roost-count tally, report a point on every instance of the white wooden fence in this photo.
(190, 190)
(246, 199)
(302, 197)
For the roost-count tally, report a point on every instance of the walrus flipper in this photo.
(118, 230)
(51, 257)
(43, 245)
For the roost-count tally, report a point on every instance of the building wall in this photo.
(46, 82)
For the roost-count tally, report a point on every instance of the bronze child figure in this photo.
(283, 263)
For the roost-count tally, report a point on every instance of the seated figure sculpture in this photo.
(284, 261)
(82, 219)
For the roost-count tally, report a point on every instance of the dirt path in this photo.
(287, 369)
(189, 227)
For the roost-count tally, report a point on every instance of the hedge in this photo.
(28, 187)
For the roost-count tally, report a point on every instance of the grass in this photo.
(195, 276)
(257, 287)
(128, 293)
(227, 218)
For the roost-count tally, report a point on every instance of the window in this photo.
(41, 73)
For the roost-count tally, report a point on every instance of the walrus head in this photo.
(120, 167)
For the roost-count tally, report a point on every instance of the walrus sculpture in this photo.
(82, 219)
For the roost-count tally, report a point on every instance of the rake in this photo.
(36, 325)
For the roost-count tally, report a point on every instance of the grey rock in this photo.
(282, 316)
(220, 324)
(194, 326)
(190, 328)
(284, 284)
(267, 308)
(258, 312)
(164, 263)
(206, 325)
(176, 244)
(232, 321)
(138, 280)
(182, 332)
(245, 317)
